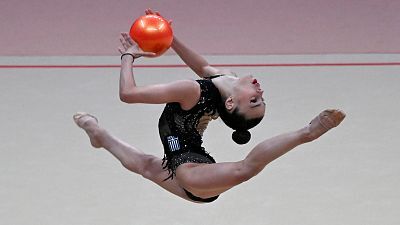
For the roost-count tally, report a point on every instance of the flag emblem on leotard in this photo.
(173, 143)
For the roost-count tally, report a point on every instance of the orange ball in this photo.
(152, 33)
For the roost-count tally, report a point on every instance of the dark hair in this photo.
(238, 122)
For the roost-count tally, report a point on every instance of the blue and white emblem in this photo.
(173, 143)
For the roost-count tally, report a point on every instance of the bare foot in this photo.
(325, 121)
(89, 123)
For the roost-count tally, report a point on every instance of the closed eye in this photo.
(256, 103)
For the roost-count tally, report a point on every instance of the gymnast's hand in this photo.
(151, 12)
(131, 47)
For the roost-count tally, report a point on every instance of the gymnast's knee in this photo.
(149, 164)
(139, 165)
(243, 172)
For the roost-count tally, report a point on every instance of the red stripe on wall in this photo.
(215, 65)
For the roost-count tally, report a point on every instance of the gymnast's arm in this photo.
(185, 92)
(195, 61)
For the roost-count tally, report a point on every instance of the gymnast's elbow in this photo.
(127, 97)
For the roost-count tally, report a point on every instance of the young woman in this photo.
(187, 170)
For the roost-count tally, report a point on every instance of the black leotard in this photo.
(177, 127)
(179, 134)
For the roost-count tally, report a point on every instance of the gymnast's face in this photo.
(247, 96)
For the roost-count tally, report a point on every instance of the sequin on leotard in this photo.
(181, 130)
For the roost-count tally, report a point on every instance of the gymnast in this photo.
(187, 169)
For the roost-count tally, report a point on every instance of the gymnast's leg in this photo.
(149, 166)
(207, 180)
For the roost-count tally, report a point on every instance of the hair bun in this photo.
(241, 136)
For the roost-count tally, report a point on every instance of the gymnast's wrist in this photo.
(127, 55)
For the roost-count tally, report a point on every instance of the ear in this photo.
(229, 104)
